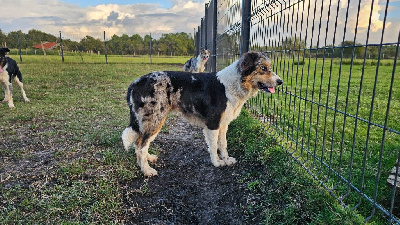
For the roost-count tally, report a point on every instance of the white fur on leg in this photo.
(144, 164)
(211, 137)
(10, 98)
(222, 145)
(152, 158)
(128, 137)
(21, 85)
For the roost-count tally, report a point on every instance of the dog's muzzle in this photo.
(268, 89)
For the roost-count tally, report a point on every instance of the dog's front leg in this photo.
(10, 98)
(211, 137)
(222, 145)
(8, 95)
(6, 92)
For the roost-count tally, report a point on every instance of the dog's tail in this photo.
(187, 65)
(129, 136)
(131, 133)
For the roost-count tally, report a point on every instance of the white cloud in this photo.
(52, 16)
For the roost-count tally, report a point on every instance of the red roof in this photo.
(47, 45)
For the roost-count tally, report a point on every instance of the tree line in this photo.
(168, 44)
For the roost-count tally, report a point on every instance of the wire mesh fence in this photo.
(337, 112)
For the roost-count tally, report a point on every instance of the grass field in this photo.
(72, 127)
(100, 59)
(309, 114)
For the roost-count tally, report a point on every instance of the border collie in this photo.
(197, 65)
(9, 71)
(209, 100)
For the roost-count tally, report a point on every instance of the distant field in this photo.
(94, 58)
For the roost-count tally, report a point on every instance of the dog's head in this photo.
(204, 54)
(3, 61)
(256, 73)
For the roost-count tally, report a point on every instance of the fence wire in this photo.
(337, 111)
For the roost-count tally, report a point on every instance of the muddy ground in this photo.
(188, 188)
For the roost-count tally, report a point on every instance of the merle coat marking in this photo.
(209, 100)
(197, 65)
(9, 71)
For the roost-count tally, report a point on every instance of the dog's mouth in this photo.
(265, 88)
(205, 57)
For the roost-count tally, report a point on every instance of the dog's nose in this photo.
(279, 81)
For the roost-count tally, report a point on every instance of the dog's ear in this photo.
(3, 52)
(247, 63)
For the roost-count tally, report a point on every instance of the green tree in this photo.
(137, 44)
(89, 43)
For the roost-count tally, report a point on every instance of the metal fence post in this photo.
(198, 41)
(105, 46)
(19, 48)
(61, 48)
(150, 49)
(205, 25)
(245, 31)
(214, 37)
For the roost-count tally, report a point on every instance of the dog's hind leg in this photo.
(211, 137)
(222, 146)
(21, 85)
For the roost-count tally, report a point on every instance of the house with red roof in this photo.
(47, 45)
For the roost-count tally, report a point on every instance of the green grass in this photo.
(77, 113)
(283, 193)
(318, 129)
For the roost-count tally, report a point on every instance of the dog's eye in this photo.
(266, 69)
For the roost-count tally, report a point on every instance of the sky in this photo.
(78, 18)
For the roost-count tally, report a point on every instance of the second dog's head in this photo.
(204, 54)
(3, 61)
(256, 73)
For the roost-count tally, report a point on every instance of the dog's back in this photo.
(190, 65)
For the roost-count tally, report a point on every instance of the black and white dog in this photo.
(10, 71)
(197, 65)
(209, 100)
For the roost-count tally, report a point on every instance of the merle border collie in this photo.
(209, 100)
(9, 71)
(197, 65)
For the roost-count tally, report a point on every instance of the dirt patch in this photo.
(188, 188)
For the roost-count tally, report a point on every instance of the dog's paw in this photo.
(149, 172)
(230, 161)
(218, 163)
(27, 100)
(11, 106)
(152, 158)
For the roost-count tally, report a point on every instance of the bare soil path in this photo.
(188, 188)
